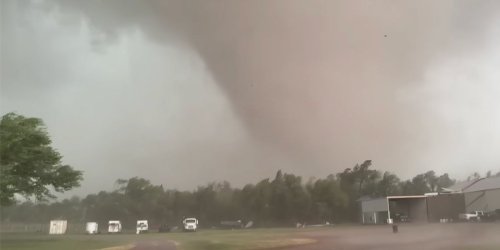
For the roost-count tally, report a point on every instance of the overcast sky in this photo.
(188, 92)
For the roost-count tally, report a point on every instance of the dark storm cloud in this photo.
(320, 85)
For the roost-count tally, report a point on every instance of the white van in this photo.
(114, 226)
(190, 224)
(92, 228)
(142, 226)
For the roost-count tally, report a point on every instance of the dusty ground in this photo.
(480, 236)
(154, 245)
(410, 237)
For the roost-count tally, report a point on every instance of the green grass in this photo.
(252, 239)
(47, 242)
(201, 240)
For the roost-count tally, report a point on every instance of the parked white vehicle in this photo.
(142, 226)
(114, 226)
(92, 228)
(190, 224)
(472, 216)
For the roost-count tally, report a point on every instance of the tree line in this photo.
(280, 201)
(31, 168)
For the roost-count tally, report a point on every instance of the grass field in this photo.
(204, 239)
(410, 237)
(47, 242)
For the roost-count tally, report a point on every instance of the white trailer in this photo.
(92, 228)
(58, 226)
(114, 226)
(142, 226)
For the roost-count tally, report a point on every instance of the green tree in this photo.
(388, 185)
(432, 180)
(358, 182)
(417, 186)
(444, 181)
(329, 202)
(29, 166)
(474, 176)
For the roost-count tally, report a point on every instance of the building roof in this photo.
(461, 186)
(484, 184)
(406, 197)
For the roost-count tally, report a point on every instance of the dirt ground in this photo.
(410, 237)
(481, 236)
(154, 245)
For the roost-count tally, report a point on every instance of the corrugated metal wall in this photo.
(374, 205)
(487, 201)
(445, 206)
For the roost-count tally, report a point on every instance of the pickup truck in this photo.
(190, 224)
(472, 216)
